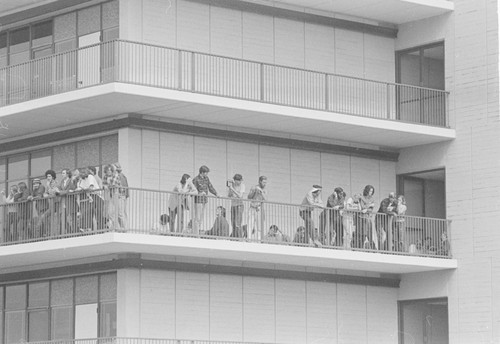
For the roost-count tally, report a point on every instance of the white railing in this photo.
(157, 66)
(142, 211)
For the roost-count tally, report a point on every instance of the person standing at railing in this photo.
(330, 222)
(123, 195)
(367, 235)
(179, 202)
(40, 206)
(86, 184)
(11, 228)
(256, 214)
(69, 206)
(98, 204)
(236, 189)
(51, 191)
(384, 221)
(311, 200)
(349, 214)
(399, 224)
(204, 186)
(23, 213)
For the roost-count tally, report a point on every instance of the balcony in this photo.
(77, 227)
(122, 340)
(218, 90)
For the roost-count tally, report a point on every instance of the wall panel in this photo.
(349, 52)
(225, 32)
(321, 312)
(159, 22)
(351, 314)
(258, 37)
(289, 46)
(259, 312)
(290, 311)
(364, 172)
(150, 159)
(192, 305)
(382, 315)
(319, 48)
(193, 26)
(157, 304)
(305, 169)
(275, 164)
(176, 158)
(226, 308)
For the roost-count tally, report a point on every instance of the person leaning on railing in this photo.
(311, 200)
(40, 206)
(330, 222)
(384, 220)
(349, 215)
(51, 191)
(23, 213)
(179, 202)
(236, 190)
(399, 224)
(366, 236)
(204, 186)
(85, 185)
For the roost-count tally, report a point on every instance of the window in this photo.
(61, 309)
(423, 321)
(424, 67)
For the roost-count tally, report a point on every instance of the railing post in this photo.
(388, 90)
(327, 100)
(261, 81)
(179, 65)
(192, 72)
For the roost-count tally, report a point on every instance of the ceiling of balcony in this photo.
(389, 11)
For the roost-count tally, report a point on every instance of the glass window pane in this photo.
(109, 147)
(65, 27)
(1, 298)
(38, 325)
(89, 20)
(110, 14)
(41, 34)
(409, 68)
(41, 161)
(424, 321)
(18, 167)
(61, 323)
(19, 40)
(2, 170)
(38, 295)
(108, 320)
(64, 157)
(108, 287)
(63, 46)
(85, 289)
(20, 58)
(87, 153)
(15, 297)
(3, 44)
(61, 292)
(433, 67)
(42, 53)
(86, 321)
(15, 324)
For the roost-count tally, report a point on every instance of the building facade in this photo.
(399, 95)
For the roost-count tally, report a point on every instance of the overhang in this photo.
(99, 102)
(25, 255)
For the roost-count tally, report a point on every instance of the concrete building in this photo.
(401, 95)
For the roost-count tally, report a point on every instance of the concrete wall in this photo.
(472, 167)
(233, 33)
(156, 160)
(177, 304)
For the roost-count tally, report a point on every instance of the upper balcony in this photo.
(79, 225)
(116, 77)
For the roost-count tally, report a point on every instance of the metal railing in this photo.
(122, 340)
(142, 211)
(157, 66)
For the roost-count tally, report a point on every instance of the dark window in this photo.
(42, 29)
(423, 321)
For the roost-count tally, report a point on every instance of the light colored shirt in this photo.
(236, 196)
(258, 194)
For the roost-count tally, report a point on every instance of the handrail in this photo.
(186, 70)
(140, 211)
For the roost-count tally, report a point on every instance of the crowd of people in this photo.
(343, 221)
(80, 202)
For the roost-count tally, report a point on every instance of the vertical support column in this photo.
(128, 303)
